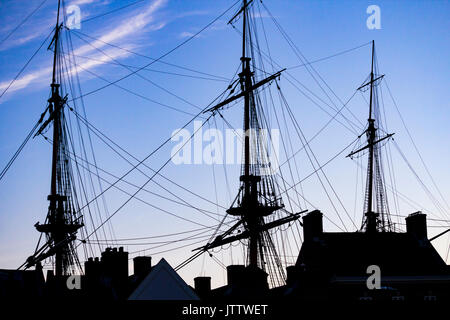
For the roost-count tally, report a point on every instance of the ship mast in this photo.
(371, 131)
(372, 222)
(61, 224)
(55, 108)
(252, 205)
(249, 181)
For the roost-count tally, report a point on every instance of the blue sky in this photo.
(412, 50)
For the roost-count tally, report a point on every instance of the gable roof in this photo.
(163, 283)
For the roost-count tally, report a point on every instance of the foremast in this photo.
(62, 222)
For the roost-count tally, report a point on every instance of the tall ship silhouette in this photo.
(268, 216)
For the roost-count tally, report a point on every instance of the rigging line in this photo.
(153, 243)
(427, 191)
(412, 203)
(281, 192)
(214, 176)
(428, 226)
(136, 159)
(289, 75)
(139, 75)
(143, 201)
(415, 146)
(23, 21)
(448, 248)
(112, 11)
(330, 56)
(151, 70)
(300, 55)
(70, 135)
(189, 260)
(148, 191)
(321, 129)
(136, 186)
(168, 250)
(302, 58)
(70, 44)
(191, 237)
(306, 201)
(355, 204)
(143, 160)
(150, 58)
(220, 263)
(286, 152)
(352, 130)
(265, 120)
(290, 144)
(389, 157)
(19, 150)
(431, 219)
(319, 168)
(224, 165)
(321, 182)
(162, 235)
(26, 64)
(83, 188)
(65, 67)
(135, 93)
(303, 140)
(158, 184)
(162, 56)
(143, 186)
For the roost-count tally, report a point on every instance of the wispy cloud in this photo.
(261, 15)
(218, 25)
(80, 2)
(42, 76)
(27, 33)
(192, 13)
(127, 30)
(186, 34)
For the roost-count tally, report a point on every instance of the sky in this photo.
(143, 110)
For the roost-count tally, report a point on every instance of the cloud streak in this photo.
(130, 28)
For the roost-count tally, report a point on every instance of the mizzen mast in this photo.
(372, 221)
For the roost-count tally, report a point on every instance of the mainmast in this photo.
(374, 183)
(252, 204)
(249, 181)
(56, 201)
(61, 225)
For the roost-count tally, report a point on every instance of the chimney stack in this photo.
(312, 225)
(142, 266)
(235, 274)
(202, 286)
(292, 275)
(416, 225)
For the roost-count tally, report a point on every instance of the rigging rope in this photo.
(23, 21)
(161, 57)
(19, 150)
(26, 64)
